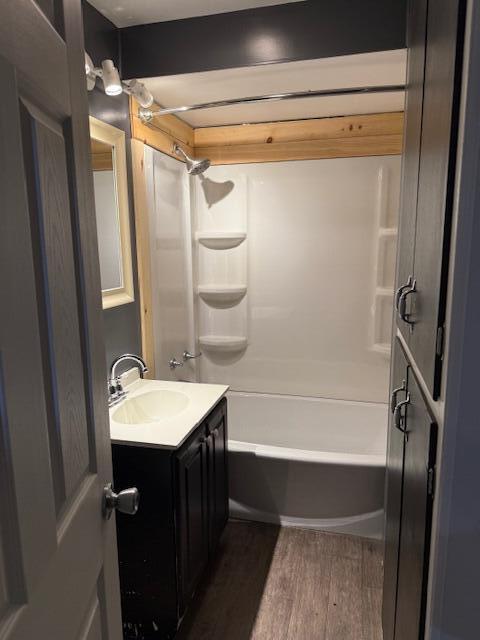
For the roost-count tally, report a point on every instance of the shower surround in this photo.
(289, 287)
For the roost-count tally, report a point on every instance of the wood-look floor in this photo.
(271, 583)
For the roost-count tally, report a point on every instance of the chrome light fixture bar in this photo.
(146, 115)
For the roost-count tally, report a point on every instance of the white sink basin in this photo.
(152, 406)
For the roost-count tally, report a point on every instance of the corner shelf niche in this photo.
(222, 296)
(223, 344)
(220, 240)
(384, 273)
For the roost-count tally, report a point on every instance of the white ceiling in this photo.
(382, 68)
(125, 13)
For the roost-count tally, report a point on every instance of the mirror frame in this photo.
(115, 138)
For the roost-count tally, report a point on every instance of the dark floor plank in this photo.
(344, 617)
(336, 544)
(271, 583)
(372, 564)
(227, 601)
(372, 614)
(310, 601)
(277, 603)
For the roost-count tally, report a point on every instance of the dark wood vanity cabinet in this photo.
(164, 550)
(435, 34)
(435, 40)
(409, 502)
(217, 476)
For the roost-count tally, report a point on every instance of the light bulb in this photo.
(140, 92)
(88, 64)
(111, 79)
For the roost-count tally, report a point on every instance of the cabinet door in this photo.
(420, 449)
(217, 473)
(436, 182)
(192, 518)
(416, 36)
(394, 490)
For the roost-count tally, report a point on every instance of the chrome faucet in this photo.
(115, 389)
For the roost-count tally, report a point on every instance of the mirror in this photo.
(109, 164)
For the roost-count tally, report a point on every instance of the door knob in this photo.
(126, 501)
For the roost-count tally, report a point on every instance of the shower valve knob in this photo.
(190, 356)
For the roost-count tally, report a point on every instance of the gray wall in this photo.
(122, 324)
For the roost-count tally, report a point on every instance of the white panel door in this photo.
(58, 555)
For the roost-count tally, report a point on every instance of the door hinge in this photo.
(440, 340)
(431, 481)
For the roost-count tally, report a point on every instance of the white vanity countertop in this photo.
(166, 432)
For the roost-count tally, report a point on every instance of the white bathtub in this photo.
(307, 462)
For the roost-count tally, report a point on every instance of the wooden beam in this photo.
(377, 124)
(163, 132)
(304, 150)
(142, 232)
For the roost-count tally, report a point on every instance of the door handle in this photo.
(126, 501)
(401, 289)
(402, 303)
(393, 397)
(397, 414)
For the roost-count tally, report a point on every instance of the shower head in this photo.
(194, 167)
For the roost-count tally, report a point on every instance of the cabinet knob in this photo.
(126, 501)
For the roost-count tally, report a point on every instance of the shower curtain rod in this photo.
(146, 115)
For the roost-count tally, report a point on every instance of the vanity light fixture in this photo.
(140, 92)
(111, 78)
(112, 83)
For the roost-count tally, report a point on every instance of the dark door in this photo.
(418, 486)
(394, 487)
(416, 36)
(217, 474)
(192, 510)
(58, 567)
(436, 181)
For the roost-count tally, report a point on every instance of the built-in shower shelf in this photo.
(220, 240)
(383, 292)
(382, 347)
(387, 232)
(222, 296)
(223, 344)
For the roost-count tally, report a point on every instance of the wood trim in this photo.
(102, 157)
(115, 138)
(142, 232)
(342, 137)
(102, 162)
(377, 124)
(304, 150)
(163, 132)
(320, 138)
